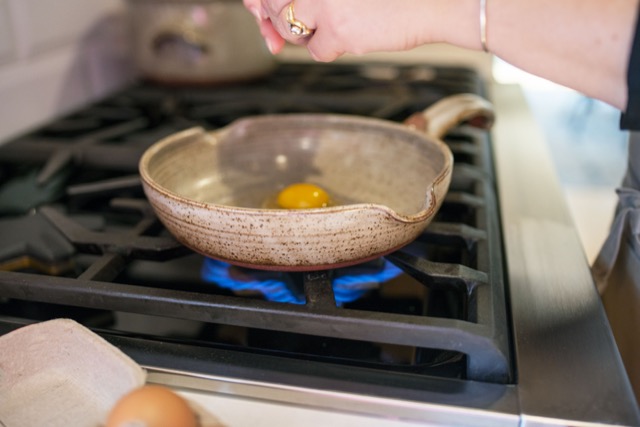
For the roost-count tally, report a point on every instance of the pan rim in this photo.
(429, 205)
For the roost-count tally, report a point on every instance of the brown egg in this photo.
(152, 406)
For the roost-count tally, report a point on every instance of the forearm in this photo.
(582, 44)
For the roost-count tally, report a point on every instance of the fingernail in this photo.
(270, 47)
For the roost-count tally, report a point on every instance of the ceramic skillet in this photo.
(386, 181)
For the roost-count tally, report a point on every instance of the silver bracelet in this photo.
(483, 25)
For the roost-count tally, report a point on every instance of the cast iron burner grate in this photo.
(76, 179)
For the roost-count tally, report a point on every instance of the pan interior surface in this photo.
(356, 160)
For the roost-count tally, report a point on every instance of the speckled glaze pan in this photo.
(387, 180)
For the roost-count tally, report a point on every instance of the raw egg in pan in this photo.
(303, 196)
(300, 195)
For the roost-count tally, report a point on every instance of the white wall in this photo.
(56, 55)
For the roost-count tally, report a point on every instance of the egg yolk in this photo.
(302, 196)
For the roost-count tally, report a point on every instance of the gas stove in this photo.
(429, 332)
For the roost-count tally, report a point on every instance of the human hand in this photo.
(345, 26)
(274, 41)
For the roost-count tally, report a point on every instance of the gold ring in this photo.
(297, 28)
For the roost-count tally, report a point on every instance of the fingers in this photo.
(272, 38)
(291, 18)
(282, 21)
(324, 49)
(324, 43)
(274, 41)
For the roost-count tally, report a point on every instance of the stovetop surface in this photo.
(80, 240)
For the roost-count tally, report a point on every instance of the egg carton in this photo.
(59, 373)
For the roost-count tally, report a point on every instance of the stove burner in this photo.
(27, 263)
(29, 242)
(352, 283)
(274, 286)
(349, 284)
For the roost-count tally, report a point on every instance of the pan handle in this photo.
(452, 111)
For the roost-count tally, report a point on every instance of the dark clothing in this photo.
(631, 117)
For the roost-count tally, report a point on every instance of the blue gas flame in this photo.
(273, 289)
(348, 286)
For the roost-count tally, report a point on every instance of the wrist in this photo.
(459, 23)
